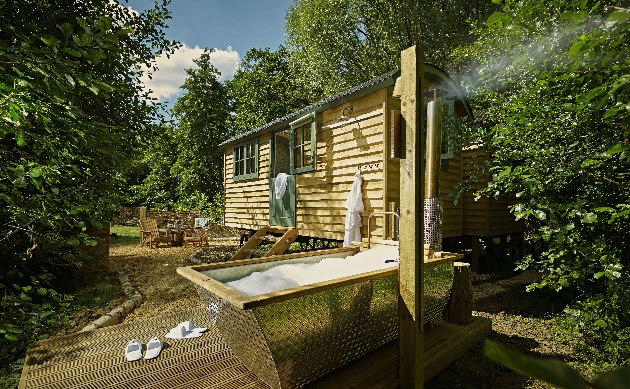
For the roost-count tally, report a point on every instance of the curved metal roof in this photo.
(432, 74)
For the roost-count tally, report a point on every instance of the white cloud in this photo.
(129, 10)
(171, 74)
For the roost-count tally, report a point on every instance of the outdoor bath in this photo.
(291, 337)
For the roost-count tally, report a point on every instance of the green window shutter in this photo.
(246, 160)
(303, 143)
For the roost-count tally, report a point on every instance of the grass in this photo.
(94, 295)
(10, 377)
(124, 235)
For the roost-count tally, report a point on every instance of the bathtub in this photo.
(290, 337)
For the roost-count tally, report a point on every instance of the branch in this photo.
(11, 233)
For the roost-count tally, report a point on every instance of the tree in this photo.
(72, 109)
(550, 82)
(203, 113)
(150, 182)
(266, 87)
(338, 44)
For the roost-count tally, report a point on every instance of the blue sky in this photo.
(231, 27)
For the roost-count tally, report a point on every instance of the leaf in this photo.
(70, 79)
(93, 89)
(591, 162)
(610, 112)
(616, 379)
(43, 336)
(90, 242)
(616, 149)
(601, 324)
(12, 338)
(577, 49)
(14, 330)
(497, 17)
(589, 218)
(20, 141)
(618, 16)
(550, 370)
(540, 215)
(73, 241)
(66, 29)
(42, 291)
(50, 41)
(36, 172)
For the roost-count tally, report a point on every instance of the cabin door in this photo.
(281, 210)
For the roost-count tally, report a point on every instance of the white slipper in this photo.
(153, 348)
(133, 351)
(185, 330)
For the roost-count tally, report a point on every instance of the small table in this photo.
(176, 237)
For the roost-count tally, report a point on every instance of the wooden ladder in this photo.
(265, 236)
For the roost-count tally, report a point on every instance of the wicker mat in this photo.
(95, 359)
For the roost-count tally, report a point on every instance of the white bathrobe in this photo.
(281, 185)
(354, 205)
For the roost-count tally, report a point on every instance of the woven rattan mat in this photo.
(96, 360)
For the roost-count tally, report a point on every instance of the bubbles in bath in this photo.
(292, 275)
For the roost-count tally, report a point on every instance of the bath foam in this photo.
(292, 275)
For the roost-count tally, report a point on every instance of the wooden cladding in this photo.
(395, 141)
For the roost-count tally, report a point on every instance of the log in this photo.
(459, 307)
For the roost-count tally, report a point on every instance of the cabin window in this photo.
(303, 144)
(246, 160)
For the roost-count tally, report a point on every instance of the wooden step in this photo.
(269, 238)
(279, 229)
(260, 253)
(289, 234)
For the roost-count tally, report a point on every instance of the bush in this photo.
(28, 313)
(599, 327)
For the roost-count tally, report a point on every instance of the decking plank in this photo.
(94, 360)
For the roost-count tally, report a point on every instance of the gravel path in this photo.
(153, 273)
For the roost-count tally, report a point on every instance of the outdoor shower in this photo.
(433, 207)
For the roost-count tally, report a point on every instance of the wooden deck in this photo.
(95, 359)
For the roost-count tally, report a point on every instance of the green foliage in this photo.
(203, 114)
(72, 110)
(553, 143)
(338, 44)
(597, 327)
(549, 82)
(150, 180)
(10, 377)
(266, 87)
(554, 372)
(27, 314)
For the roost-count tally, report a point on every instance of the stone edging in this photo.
(118, 314)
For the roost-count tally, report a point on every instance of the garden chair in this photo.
(152, 235)
(195, 237)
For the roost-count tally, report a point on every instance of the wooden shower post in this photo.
(410, 318)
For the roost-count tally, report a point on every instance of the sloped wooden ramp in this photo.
(95, 360)
(266, 236)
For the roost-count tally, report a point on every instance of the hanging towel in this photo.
(281, 185)
(201, 222)
(354, 205)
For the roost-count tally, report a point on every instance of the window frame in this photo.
(236, 158)
(303, 124)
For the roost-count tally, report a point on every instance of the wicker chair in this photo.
(150, 234)
(195, 237)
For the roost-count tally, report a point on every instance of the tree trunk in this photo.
(459, 307)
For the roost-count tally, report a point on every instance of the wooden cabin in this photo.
(321, 147)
